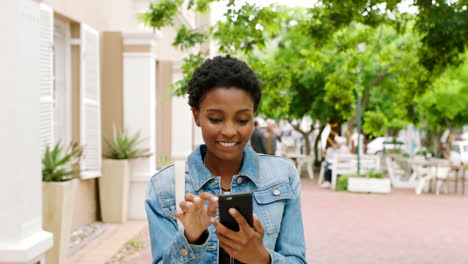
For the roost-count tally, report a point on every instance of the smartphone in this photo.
(242, 202)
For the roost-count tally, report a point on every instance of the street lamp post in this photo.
(362, 48)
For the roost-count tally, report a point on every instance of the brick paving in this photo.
(101, 249)
(400, 228)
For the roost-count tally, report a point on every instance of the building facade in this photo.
(78, 70)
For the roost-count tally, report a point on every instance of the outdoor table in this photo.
(415, 165)
(460, 171)
(295, 157)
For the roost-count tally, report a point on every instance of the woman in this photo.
(224, 94)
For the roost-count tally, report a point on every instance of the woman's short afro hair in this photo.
(223, 71)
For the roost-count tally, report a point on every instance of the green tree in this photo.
(445, 106)
(244, 29)
(442, 25)
(293, 86)
(314, 68)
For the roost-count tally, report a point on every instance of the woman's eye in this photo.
(214, 120)
(244, 121)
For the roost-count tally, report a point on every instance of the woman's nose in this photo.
(229, 130)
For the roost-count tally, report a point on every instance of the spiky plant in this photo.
(164, 161)
(57, 163)
(124, 146)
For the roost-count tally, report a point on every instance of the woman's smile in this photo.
(227, 144)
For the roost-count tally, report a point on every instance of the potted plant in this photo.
(59, 187)
(163, 162)
(114, 182)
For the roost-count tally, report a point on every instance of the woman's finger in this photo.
(185, 206)
(243, 225)
(207, 196)
(231, 251)
(224, 230)
(190, 197)
(224, 239)
(179, 214)
(211, 209)
(257, 225)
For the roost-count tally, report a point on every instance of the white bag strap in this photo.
(179, 168)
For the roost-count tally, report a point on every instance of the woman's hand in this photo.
(245, 245)
(195, 216)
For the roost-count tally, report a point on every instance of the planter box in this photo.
(113, 190)
(58, 200)
(373, 185)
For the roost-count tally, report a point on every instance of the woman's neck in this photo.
(223, 168)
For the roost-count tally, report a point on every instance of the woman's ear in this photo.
(196, 117)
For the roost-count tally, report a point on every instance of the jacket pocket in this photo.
(271, 202)
(169, 208)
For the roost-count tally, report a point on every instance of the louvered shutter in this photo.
(46, 76)
(90, 106)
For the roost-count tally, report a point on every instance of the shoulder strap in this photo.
(179, 168)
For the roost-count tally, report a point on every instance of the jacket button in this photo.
(184, 252)
(240, 180)
(276, 192)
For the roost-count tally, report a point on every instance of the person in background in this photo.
(272, 135)
(337, 147)
(257, 141)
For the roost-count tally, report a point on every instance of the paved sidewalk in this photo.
(102, 248)
(397, 228)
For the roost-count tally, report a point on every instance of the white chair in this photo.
(426, 176)
(396, 173)
(437, 173)
(322, 172)
(416, 164)
(441, 176)
(307, 161)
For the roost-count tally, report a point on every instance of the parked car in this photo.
(381, 144)
(461, 147)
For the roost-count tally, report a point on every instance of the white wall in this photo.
(112, 15)
(139, 114)
(140, 100)
(21, 235)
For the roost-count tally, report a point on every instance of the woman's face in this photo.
(225, 116)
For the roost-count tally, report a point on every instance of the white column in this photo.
(197, 135)
(182, 123)
(139, 114)
(182, 120)
(22, 239)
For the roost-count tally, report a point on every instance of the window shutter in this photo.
(46, 76)
(90, 103)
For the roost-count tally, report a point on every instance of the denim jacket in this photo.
(276, 190)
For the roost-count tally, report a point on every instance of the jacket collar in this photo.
(201, 175)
